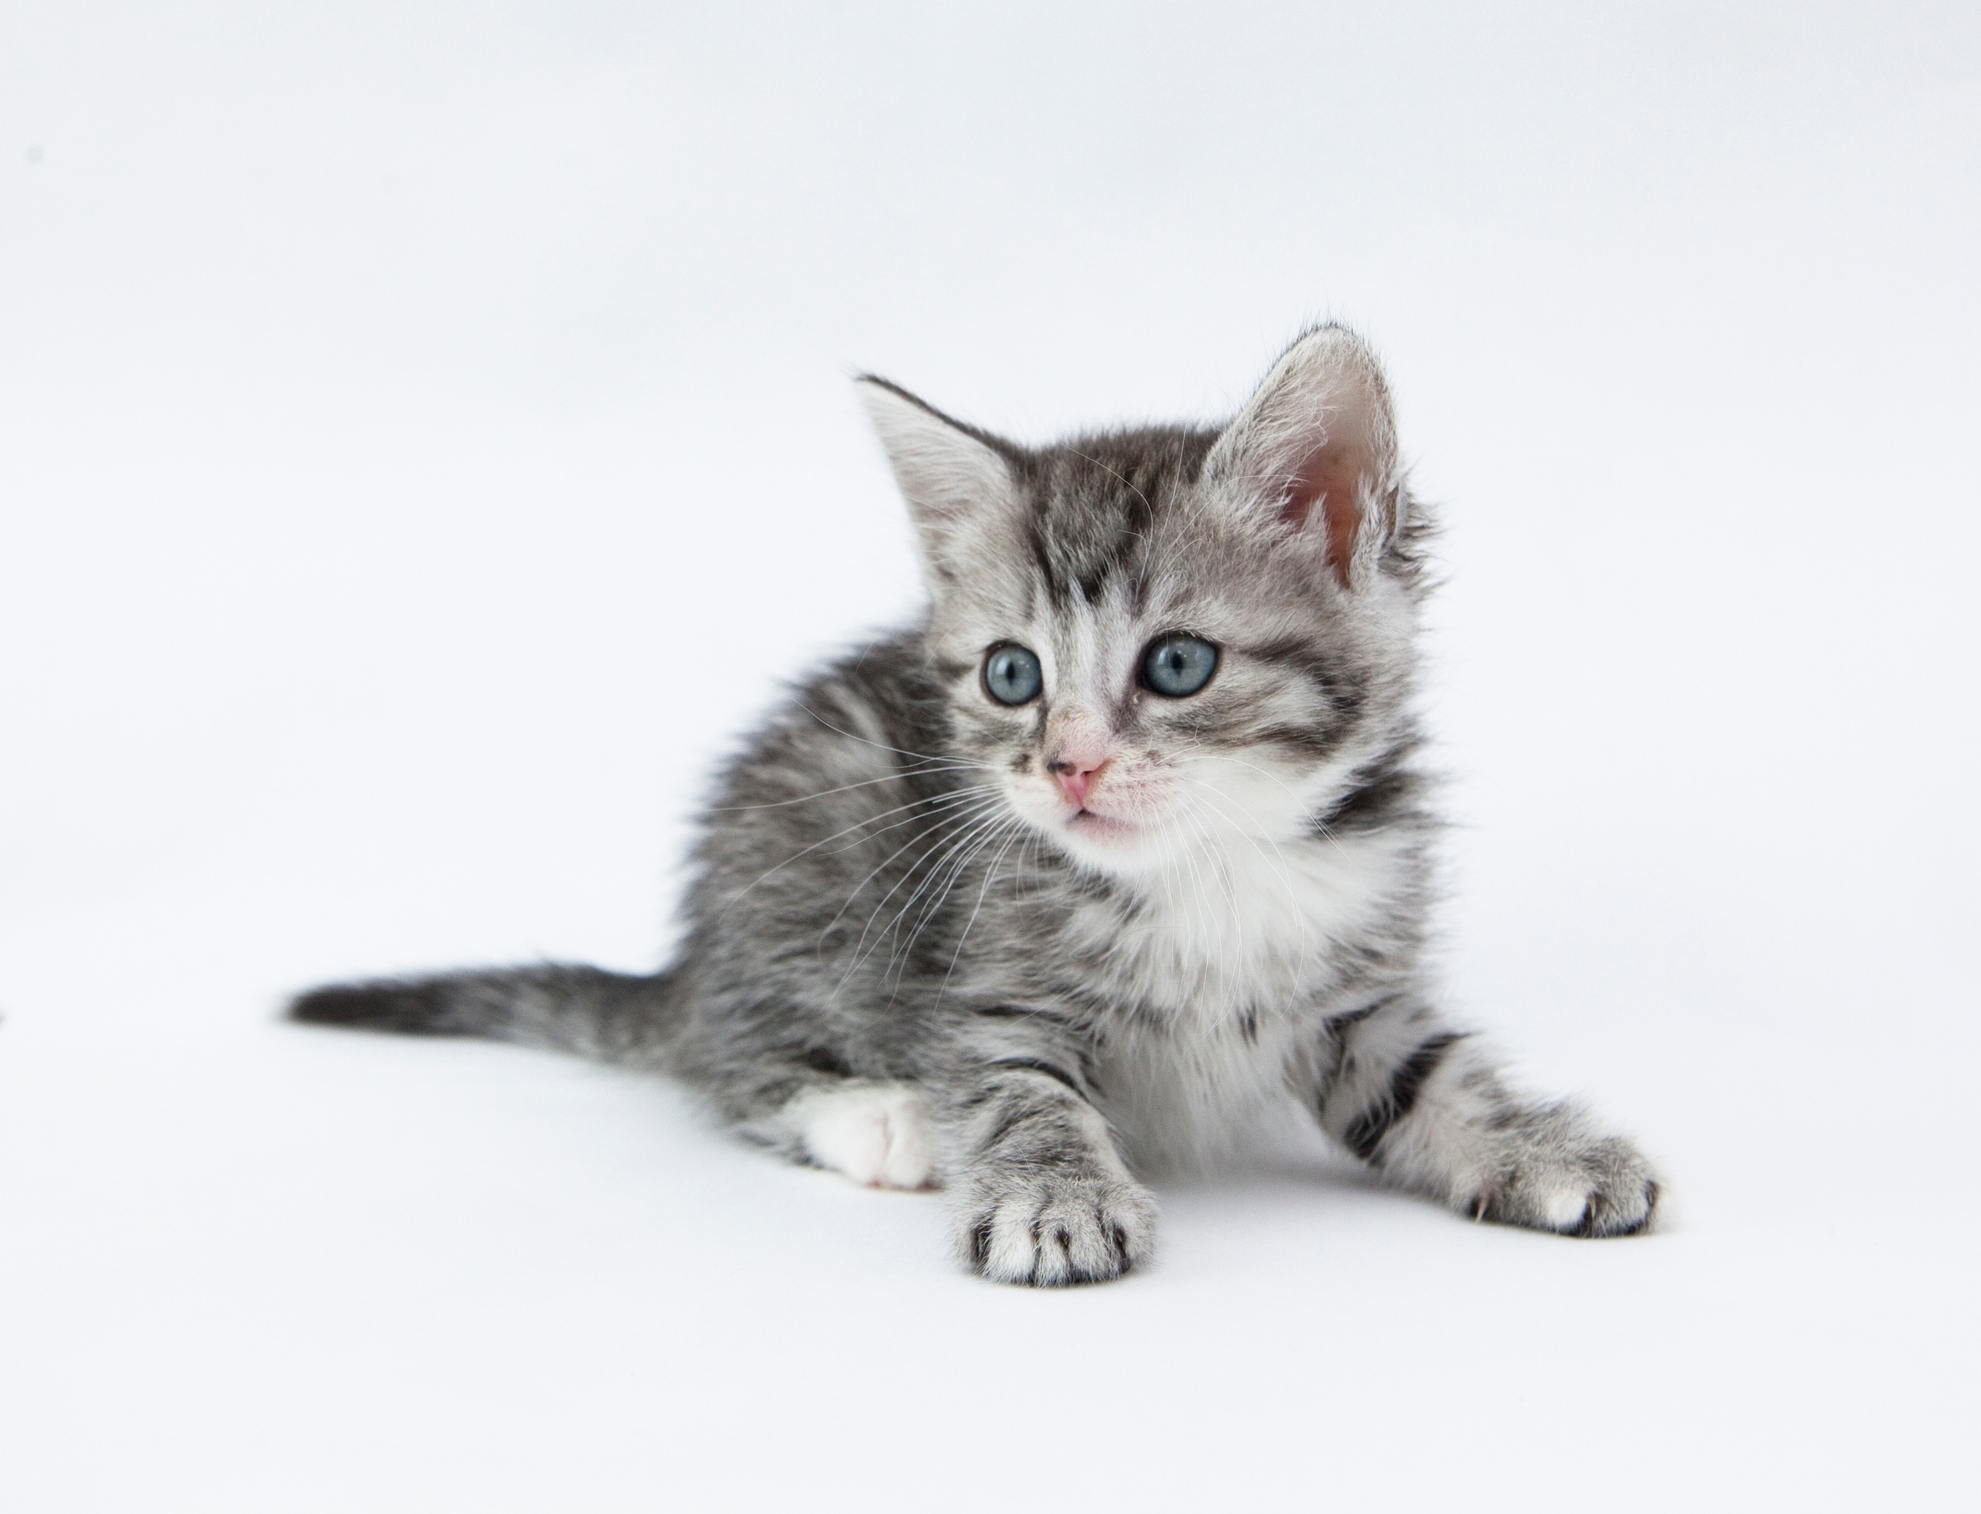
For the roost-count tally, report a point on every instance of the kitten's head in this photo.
(1158, 639)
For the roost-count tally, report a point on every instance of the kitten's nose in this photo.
(1076, 775)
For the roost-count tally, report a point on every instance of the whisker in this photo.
(940, 839)
(990, 877)
(823, 841)
(978, 793)
(847, 788)
(965, 851)
(955, 835)
(878, 745)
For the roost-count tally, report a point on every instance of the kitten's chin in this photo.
(1105, 843)
(1103, 828)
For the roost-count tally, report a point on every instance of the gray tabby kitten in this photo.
(1118, 856)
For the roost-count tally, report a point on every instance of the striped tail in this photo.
(611, 1017)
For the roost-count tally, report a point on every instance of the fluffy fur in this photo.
(1025, 952)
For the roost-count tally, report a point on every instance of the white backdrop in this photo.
(425, 443)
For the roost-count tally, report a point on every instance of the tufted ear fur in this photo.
(954, 477)
(1317, 444)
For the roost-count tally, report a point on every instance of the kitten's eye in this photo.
(1177, 665)
(1011, 674)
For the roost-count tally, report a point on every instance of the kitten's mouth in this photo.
(1088, 823)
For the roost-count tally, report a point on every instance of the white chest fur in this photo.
(1195, 1098)
(1222, 974)
(1237, 927)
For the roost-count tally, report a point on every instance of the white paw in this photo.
(880, 1134)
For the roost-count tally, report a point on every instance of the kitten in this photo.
(1117, 856)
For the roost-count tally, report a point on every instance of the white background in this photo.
(424, 445)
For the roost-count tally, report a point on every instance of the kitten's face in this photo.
(1151, 640)
(1143, 673)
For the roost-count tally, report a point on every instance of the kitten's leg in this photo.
(1039, 1193)
(1426, 1105)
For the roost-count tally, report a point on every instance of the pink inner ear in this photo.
(1332, 478)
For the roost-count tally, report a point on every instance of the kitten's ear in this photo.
(1317, 445)
(954, 477)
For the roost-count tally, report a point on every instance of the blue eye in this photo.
(1177, 665)
(1012, 675)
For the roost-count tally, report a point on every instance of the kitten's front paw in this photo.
(1053, 1228)
(1564, 1177)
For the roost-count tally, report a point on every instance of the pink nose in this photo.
(1076, 775)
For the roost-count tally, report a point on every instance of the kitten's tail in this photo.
(612, 1017)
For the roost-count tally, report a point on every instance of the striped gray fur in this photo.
(1024, 953)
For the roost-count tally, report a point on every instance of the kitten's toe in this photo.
(1622, 1210)
(1569, 1181)
(880, 1134)
(1577, 1208)
(1051, 1230)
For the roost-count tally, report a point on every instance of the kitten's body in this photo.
(1018, 948)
